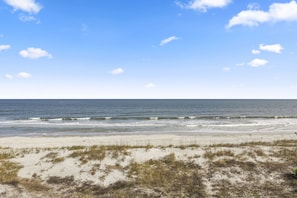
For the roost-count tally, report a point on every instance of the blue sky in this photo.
(148, 49)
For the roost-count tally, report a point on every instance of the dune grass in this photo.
(253, 169)
(8, 172)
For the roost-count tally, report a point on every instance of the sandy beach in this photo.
(130, 165)
(142, 140)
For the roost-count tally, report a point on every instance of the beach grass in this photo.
(252, 169)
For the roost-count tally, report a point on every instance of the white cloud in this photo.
(34, 53)
(28, 18)
(29, 6)
(226, 69)
(276, 48)
(24, 75)
(277, 12)
(150, 85)
(258, 62)
(168, 40)
(255, 51)
(253, 6)
(8, 76)
(117, 71)
(240, 64)
(204, 5)
(249, 18)
(4, 47)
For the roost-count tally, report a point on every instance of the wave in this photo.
(35, 118)
(86, 118)
(150, 118)
(154, 124)
(55, 119)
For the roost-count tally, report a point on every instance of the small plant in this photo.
(33, 185)
(119, 151)
(168, 176)
(211, 155)
(6, 155)
(294, 171)
(260, 152)
(75, 148)
(182, 147)
(148, 147)
(92, 153)
(8, 172)
(58, 160)
(53, 157)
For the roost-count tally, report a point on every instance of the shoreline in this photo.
(202, 139)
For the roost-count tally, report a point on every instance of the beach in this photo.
(166, 165)
(142, 140)
(148, 148)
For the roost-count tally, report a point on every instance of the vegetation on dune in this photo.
(169, 177)
(54, 157)
(92, 153)
(253, 169)
(8, 172)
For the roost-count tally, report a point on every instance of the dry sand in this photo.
(142, 140)
(37, 157)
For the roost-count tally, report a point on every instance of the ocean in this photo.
(115, 116)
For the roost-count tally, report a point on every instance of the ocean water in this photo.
(111, 117)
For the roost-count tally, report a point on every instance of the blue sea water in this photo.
(108, 117)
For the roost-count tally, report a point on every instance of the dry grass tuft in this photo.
(253, 169)
(92, 153)
(59, 180)
(8, 172)
(169, 177)
(53, 157)
(6, 155)
(33, 185)
(212, 155)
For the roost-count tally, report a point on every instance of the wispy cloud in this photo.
(204, 5)
(150, 85)
(4, 47)
(276, 48)
(24, 75)
(29, 6)
(28, 18)
(19, 75)
(277, 12)
(117, 71)
(254, 51)
(34, 53)
(240, 64)
(226, 69)
(168, 40)
(257, 62)
(253, 6)
(8, 76)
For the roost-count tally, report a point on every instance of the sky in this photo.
(97, 49)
